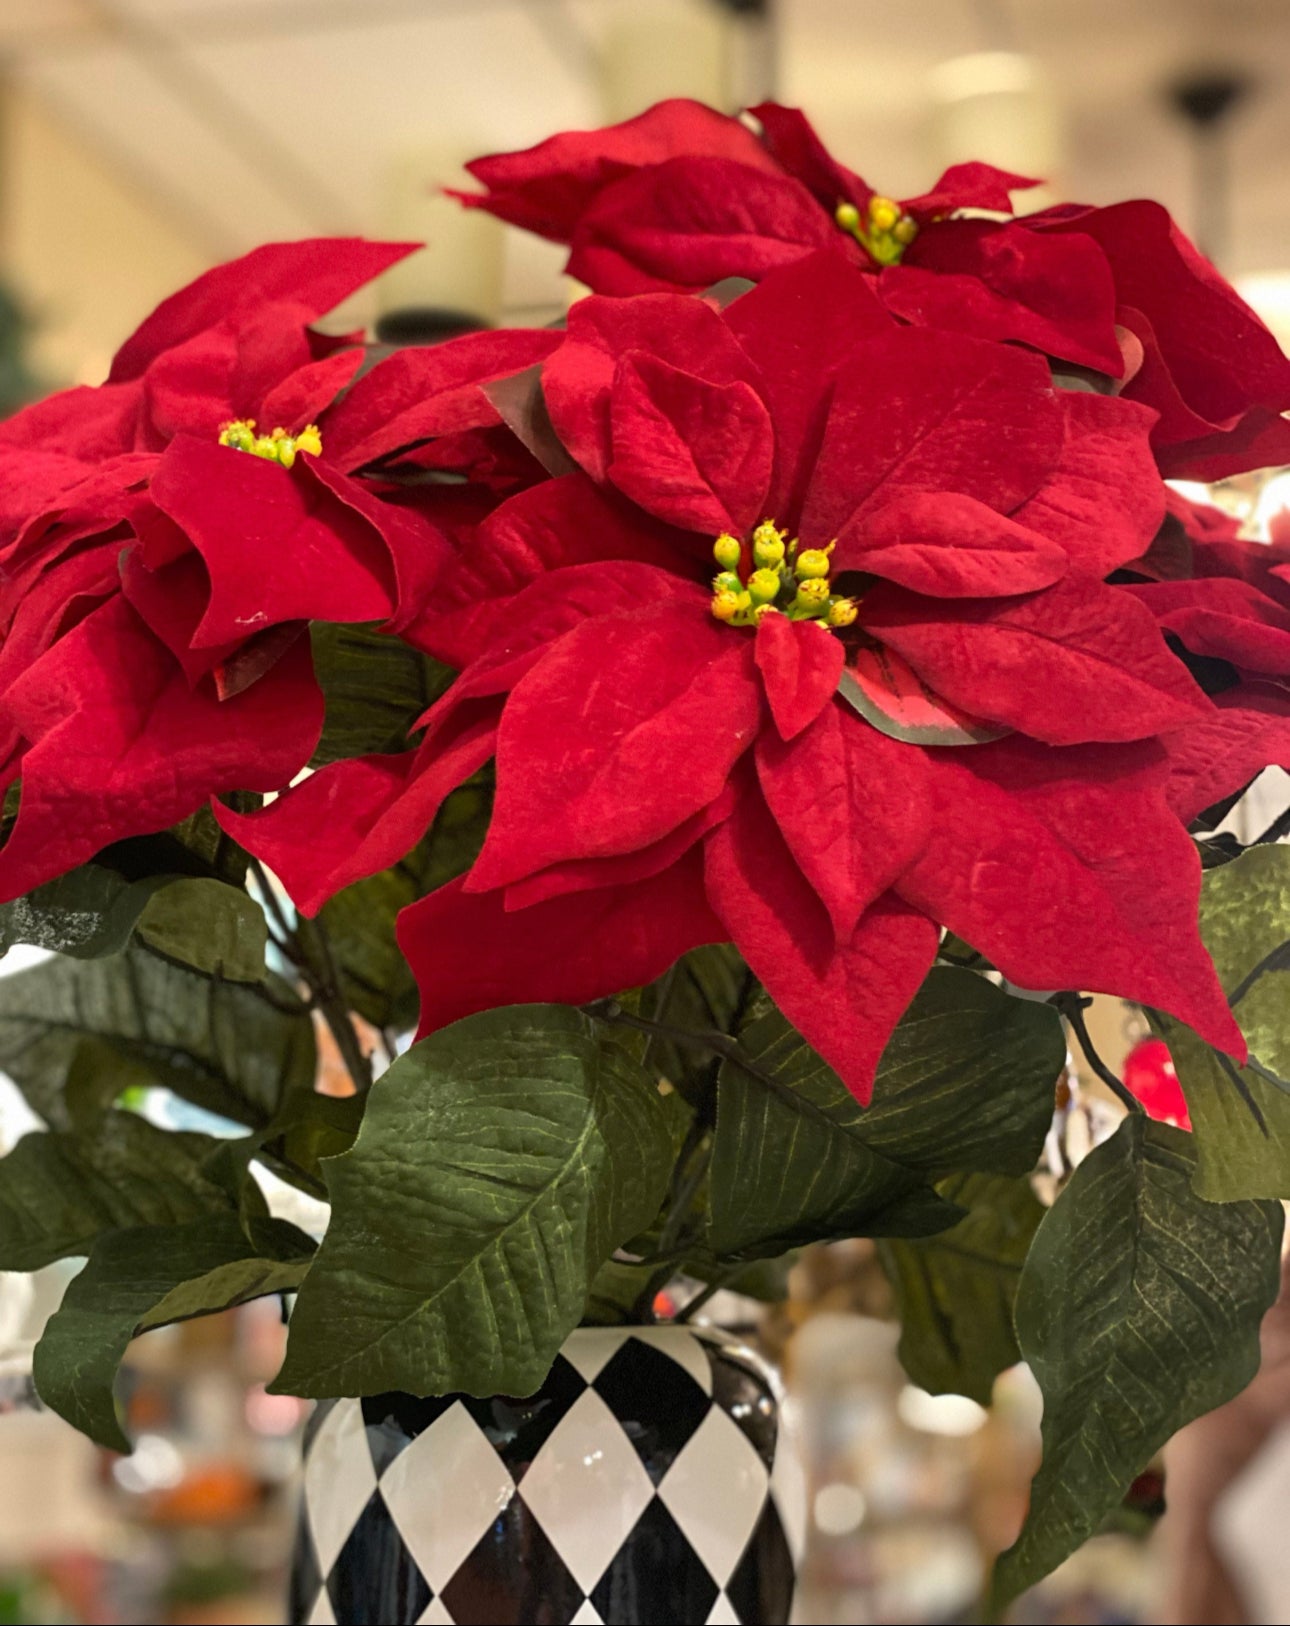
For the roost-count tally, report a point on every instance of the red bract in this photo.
(683, 196)
(1226, 601)
(827, 778)
(160, 562)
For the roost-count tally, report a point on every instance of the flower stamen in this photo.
(785, 581)
(884, 231)
(276, 447)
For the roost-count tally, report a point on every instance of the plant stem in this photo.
(1072, 1008)
(309, 949)
(701, 1298)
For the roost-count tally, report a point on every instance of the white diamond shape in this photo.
(722, 1612)
(443, 1491)
(681, 1346)
(715, 1490)
(590, 1349)
(435, 1614)
(339, 1480)
(587, 1616)
(586, 1488)
(322, 1614)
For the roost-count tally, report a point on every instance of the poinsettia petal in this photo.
(1001, 280)
(418, 550)
(800, 663)
(692, 222)
(1016, 827)
(949, 545)
(970, 186)
(547, 188)
(1218, 355)
(1249, 730)
(630, 725)
(1079, 662)
(356, 817)
(1261, 440)
(558, 523)
(1101, 500)
(852, 806)
(844, 1000)
(278, 544)
(694, 454)
(891, 696)
(548, 607)
(469, 955)
(120, 745)
(1226, 619)
(578, 378)
(304, 394)
(788, 136)
(801, 326)
(583, 874)
(967, 416)
(426, 390)
(172, 600)
(314, 274)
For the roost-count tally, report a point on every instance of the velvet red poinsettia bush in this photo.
(710, 750)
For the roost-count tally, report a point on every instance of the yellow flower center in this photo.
(276, 447)
(785, 580)
(884, 231)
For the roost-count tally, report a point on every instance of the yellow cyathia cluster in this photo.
(784, 581)
(277, 447)
(884, 231)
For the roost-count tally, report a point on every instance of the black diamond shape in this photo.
(306, 1577)
(518, 1428)
(513, 1574)
(393, 1421)
(656, 1577)
(657, 1403)
(375, 1580)
(761, 1588)
(744, 1394)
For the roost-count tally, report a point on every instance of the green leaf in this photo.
(207, 926)
(88, 912)
(966, 1083)
(706, 990)
(233, 1049)
(375, 687)
(499, 1164)
(968, 1079)
(375, 978)
(1241, 1120)
(143, 1277)
(955, 1291)
(59, 1190)
(1139, 1310)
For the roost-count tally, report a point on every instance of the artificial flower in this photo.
(167, 536)
(682, 196)
(906, 700)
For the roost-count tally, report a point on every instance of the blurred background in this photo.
(142, 141)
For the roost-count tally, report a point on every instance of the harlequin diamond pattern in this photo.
(564, 1507)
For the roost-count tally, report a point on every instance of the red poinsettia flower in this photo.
(1226, 602)
(161, 553)
(908, 700)
(682, 196)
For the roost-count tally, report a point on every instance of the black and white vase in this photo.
(649, 1479)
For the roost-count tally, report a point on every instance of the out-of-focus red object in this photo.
(1149, 1075)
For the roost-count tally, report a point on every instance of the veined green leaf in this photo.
(499, 1164)
(146, 1276)
(1139, 1310)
